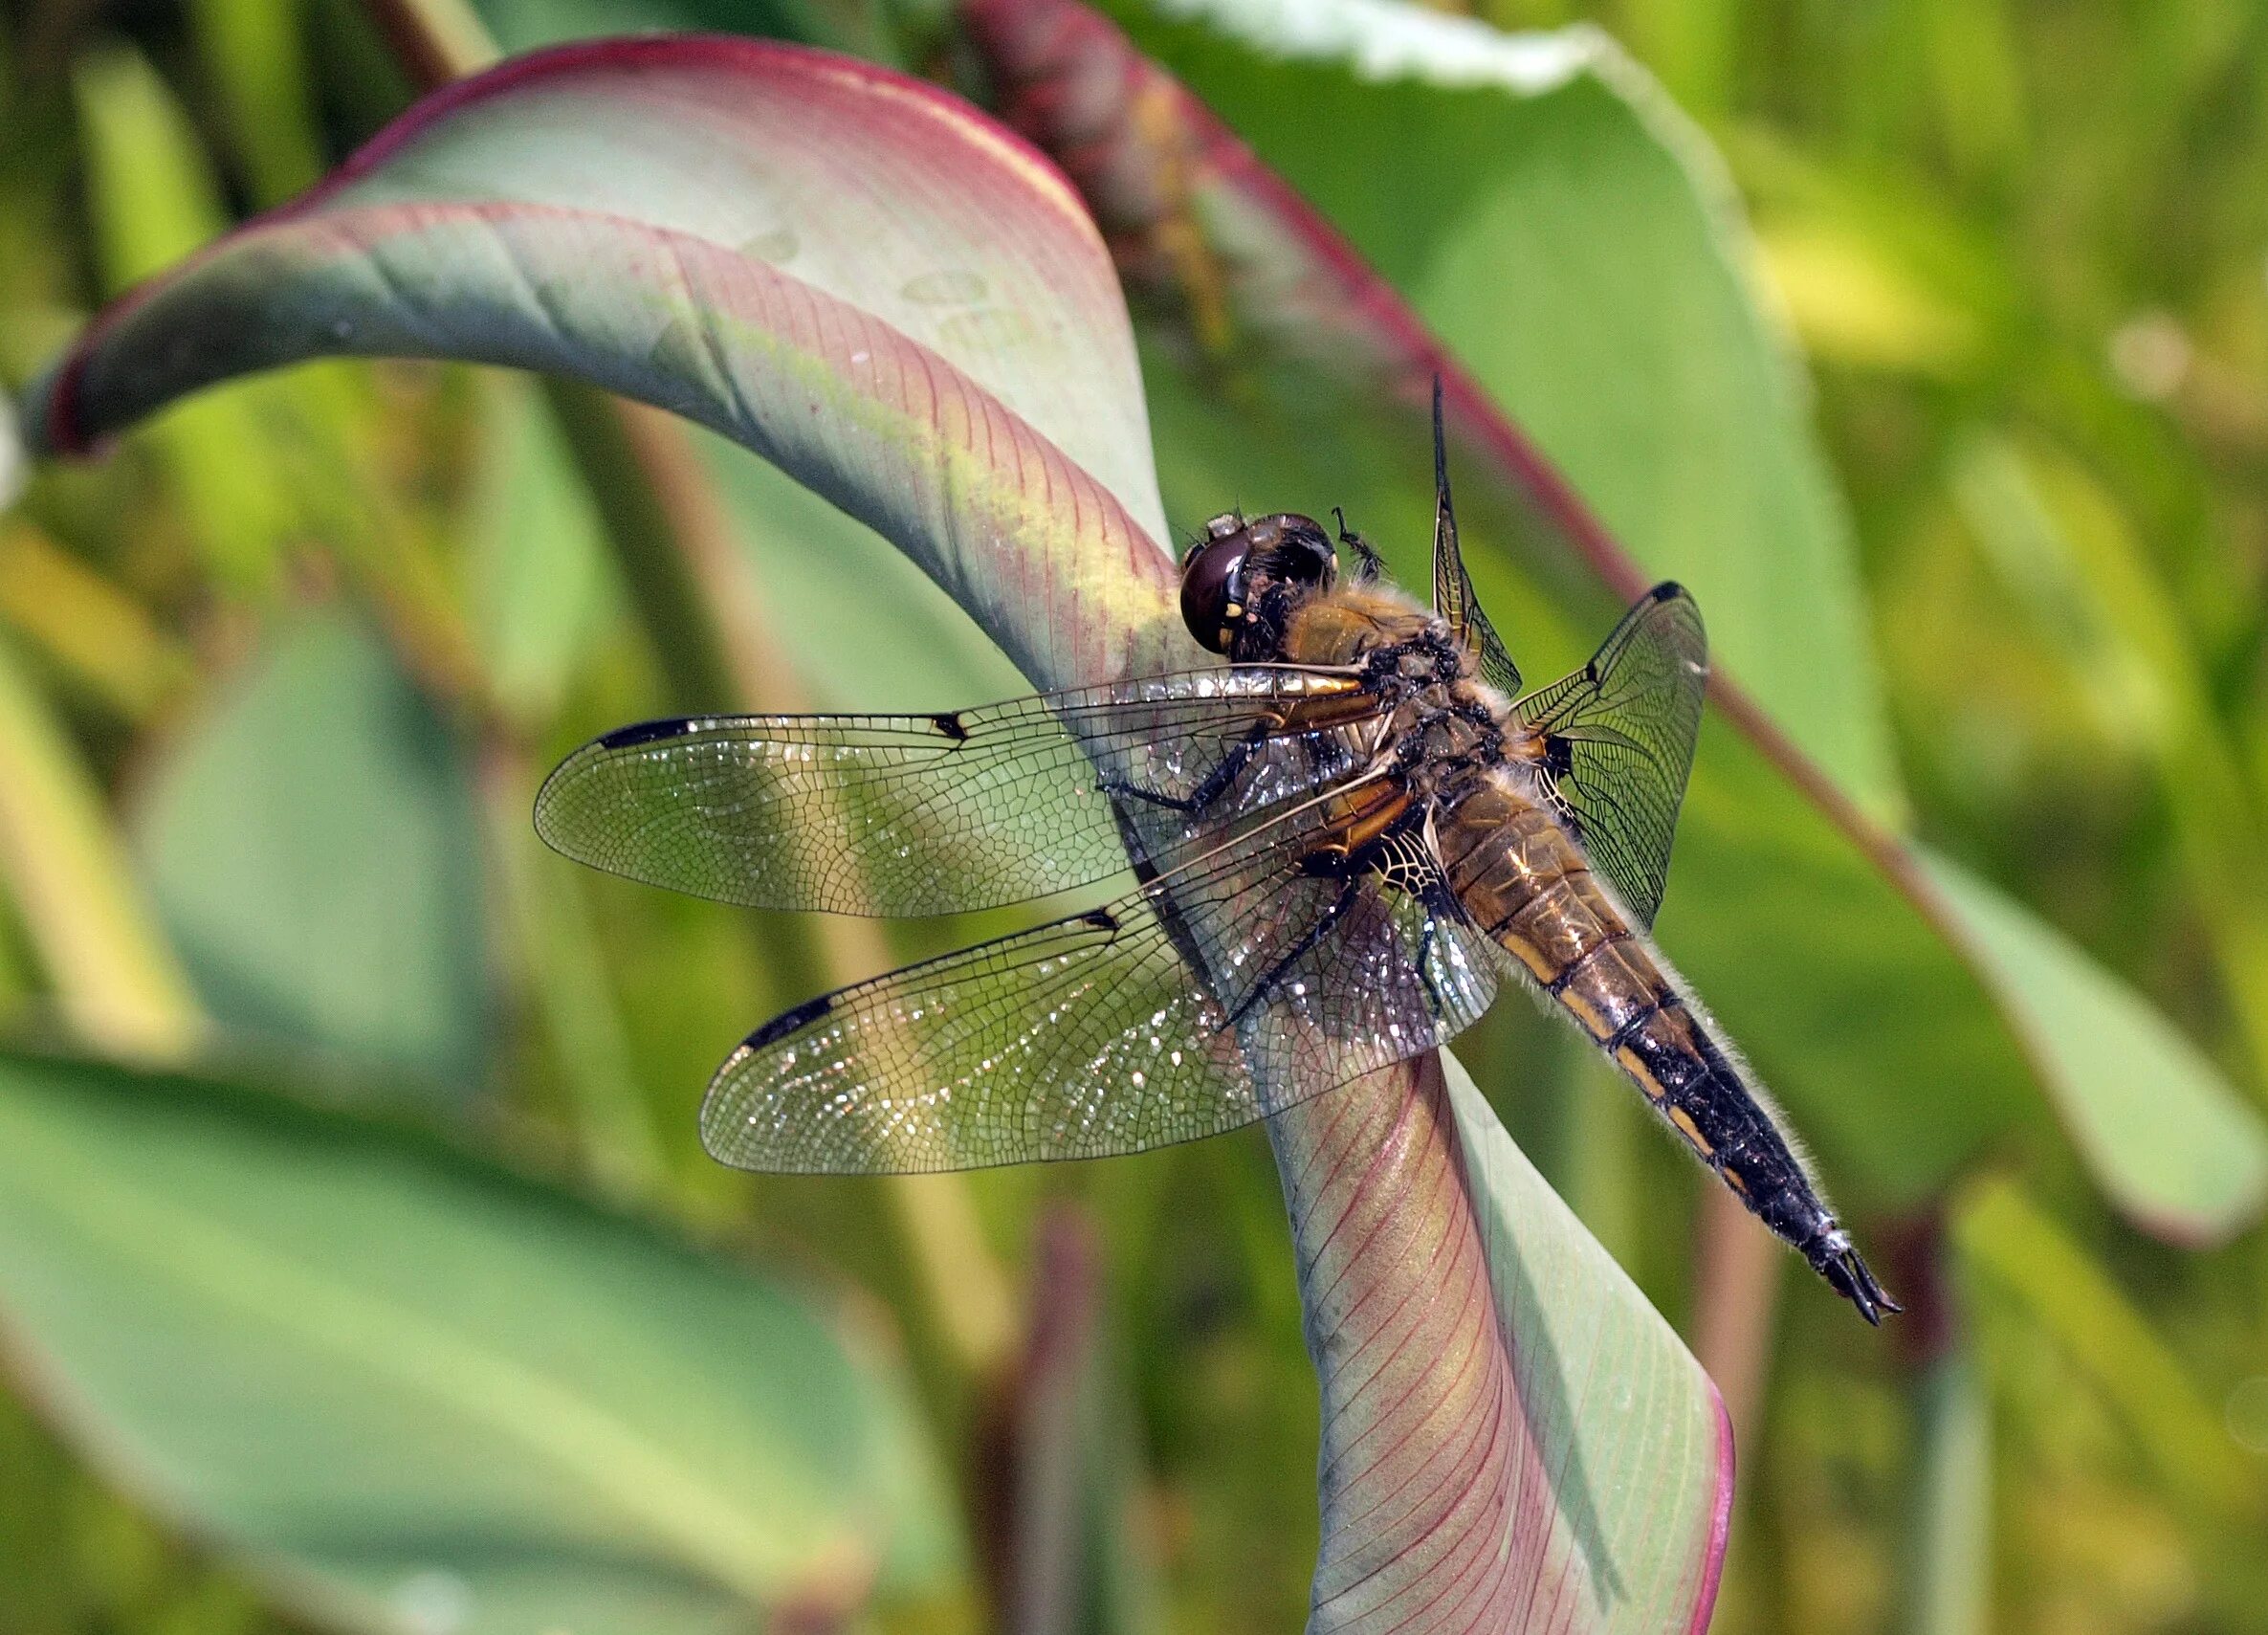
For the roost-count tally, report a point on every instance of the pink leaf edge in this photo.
(59, 429)
(1720, 1527)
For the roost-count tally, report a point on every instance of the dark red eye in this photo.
(1239, 561)
(1212, 586)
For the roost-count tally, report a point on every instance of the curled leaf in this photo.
(845, 270)
(1513, 1439)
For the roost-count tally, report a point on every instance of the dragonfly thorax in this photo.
(1441, 727)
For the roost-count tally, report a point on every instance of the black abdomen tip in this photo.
(1849, 1276)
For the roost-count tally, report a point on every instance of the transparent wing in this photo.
(1095, 1035)
(1453, 597)
(910, 815)
(1617, 740)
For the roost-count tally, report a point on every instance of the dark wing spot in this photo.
(648, 732)
(1559, 754)
(1101, 918)
(789, 1021)
(951, 725)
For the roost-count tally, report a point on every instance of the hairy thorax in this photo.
(1443, 729)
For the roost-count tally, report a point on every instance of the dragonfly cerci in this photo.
(1345, 839)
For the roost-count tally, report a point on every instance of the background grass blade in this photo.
(67, 877)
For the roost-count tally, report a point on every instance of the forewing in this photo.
(1453, 597)
(1618, 741)
(1095, 1035)
(911, 815)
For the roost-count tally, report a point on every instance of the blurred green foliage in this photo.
(311, 640)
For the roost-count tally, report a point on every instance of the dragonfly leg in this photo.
(1351, 886)
(1211, 789)
(1368, 564)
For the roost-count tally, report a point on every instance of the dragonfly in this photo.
(1344, 840)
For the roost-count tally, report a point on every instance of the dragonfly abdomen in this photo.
(1672, 1052)
(1527, 883)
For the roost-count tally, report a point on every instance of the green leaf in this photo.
(2157, 1121)
(1562, 1452)
(313, 848)
(410, 1386)
(698, 222)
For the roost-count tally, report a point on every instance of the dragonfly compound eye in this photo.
(1239, 565)
(1213, 583)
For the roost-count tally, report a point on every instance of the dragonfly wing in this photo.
(912, 815)
(1453, 597)
(1095, 1035)
(1618, 741)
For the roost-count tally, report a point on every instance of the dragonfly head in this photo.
(1241, 569)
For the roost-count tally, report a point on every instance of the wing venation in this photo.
(1453, 595)
(1618, 741)
(914, 815)
(1098, 1034)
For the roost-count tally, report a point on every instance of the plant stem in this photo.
(1736, 1296)
(553, 931)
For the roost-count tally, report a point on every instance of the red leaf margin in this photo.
(59, 429)
(993, 554)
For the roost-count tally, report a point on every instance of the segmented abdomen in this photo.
(1525, 881)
